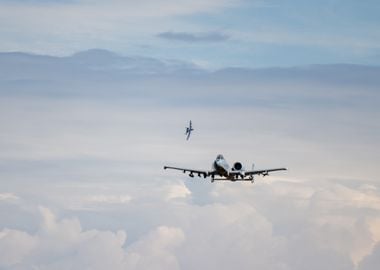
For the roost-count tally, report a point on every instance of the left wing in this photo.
(191, 171)
(263, 172)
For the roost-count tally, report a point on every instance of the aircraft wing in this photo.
(263, 172)
(188, 135)
(191, 171)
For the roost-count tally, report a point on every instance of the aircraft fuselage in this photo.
(220, 166)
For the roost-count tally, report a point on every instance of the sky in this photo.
(213, 33)
(85, 133)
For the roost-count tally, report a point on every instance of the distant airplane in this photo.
(189, 129)
(221, 168)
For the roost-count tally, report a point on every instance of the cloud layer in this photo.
(257, 226)
(84, 140)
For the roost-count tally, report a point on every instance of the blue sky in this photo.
(256, 33)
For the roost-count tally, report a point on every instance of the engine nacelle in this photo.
(237, 166)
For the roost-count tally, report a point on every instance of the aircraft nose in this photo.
(221, 163)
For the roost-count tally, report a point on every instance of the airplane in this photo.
(189, 129)
(220, 168)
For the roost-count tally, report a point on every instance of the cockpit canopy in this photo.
(219, 157)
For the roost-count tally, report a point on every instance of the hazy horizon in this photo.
(212, 33)
(111, 53)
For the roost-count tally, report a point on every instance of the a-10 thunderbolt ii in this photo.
(189, 129)
(222, 170)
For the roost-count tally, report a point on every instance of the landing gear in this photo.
(252, 179)
(212, 177)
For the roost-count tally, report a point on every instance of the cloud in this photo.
(58, 239)
(15, 247)
(101, 14)
(372, 261)
(194, 37)
(178, 191)
(62, 244)
(131, 27)
(41, 2)
(97, 145)
(107, 24)
(8, 197)
(108, 199)
(155, 250)
(257, 225)
(355, 44)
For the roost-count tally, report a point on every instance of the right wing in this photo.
(264, 172)
(191, 171)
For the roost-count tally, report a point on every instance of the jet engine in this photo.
(237, 166)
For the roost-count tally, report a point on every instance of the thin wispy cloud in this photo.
(194, 37)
